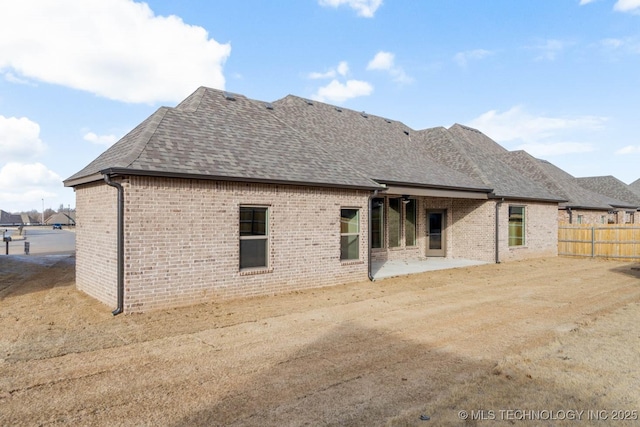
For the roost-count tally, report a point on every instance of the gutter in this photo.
(120, 246)
(371, 197)
(498, 206)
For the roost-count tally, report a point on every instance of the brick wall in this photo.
(96, 240)
(541, 231)
(182, 240)
(590, 216)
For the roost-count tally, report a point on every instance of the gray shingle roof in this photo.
(635, 186)
(385, 150)
(567, 185)
(209, 135)
(610, 186)
(471, 152)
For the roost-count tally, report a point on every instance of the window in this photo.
(516, 225)
(410, 223)
(603, 219)
(394, 222)
(580, 219)
(377, 223)
(254, 237)
(349, 234)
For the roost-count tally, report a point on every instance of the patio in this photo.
(386, 269)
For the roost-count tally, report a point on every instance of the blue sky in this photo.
(558, 78)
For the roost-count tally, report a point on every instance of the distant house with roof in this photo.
(281, 196)
(581, 205)
(635, 186)
(61, 218)
(9, 219)
(612, 187)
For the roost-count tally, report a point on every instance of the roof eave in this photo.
(163, 174)
(437, 187)
(537, 199)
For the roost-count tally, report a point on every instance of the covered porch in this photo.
(393, 268)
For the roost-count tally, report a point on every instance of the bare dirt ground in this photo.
(523, 343)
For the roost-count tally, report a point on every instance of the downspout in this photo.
(498, 205)
(570, 215)
(120, 244)
(371, 197)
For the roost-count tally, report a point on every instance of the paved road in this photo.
(42, 241)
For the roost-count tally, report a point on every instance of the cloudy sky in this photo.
(558, 78)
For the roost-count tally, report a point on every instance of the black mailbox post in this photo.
(6, 240)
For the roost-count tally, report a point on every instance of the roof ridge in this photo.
(145, 136)
(467, 157)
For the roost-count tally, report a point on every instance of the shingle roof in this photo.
(385, 150)
(635, 186)
(213, 135)
(610, 186)
(567, 185)
(471, 152)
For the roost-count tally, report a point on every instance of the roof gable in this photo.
(471, 152)
(610, 186)
(577, 196)
(635, 186)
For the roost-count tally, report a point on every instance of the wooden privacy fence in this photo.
(600, 241)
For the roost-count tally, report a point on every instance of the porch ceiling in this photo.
(434, 192)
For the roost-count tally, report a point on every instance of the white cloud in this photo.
(106, 140)
(538, 134)
(118, 49)
(364, 8)
(463, 58)
(632, 6)
(339, 92)
(28, 176)
(583, 2)
(629, 149)
(382, 61)
(24, 185)
(550, 49)
(19, 139)
(385, 61)
(342, 69)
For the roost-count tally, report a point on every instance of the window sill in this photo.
(256, 270)
(517, 247)
(351, 262)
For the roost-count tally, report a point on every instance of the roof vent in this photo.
(363, 114)
(406, 132)
(309, 102)
(268, 105)
(229, 96)
(387, 120)
(339, 110)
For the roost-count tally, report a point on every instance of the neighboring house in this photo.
(293, 194)
(635, 186)
(28, 220)
(9, 219)
(60, 218)
(581, 205)
(612, 187)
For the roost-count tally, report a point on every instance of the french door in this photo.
(436, 225)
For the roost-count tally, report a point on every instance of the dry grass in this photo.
(549, 334)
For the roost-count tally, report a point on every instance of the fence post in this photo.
(593, 242)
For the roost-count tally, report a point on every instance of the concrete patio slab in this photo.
(386, 269)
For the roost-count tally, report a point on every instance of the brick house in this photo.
(611, 186)
(294, 194)
(581, 204)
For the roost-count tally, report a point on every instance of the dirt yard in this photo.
(542, 342)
